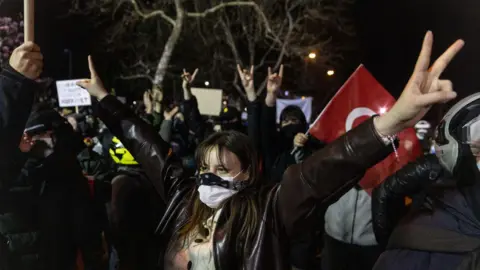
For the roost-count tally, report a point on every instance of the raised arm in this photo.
(325, 176)
(139, 138)
(17, 88)
(253, 106)
(167, 125)
(189, 108)
(269, 134)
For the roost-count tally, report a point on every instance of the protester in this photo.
(17, 89)
(443, 233)
(231, 220)
(134, 212)
(279, 150)
(63, 211)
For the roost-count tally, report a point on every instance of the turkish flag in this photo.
(358, 99)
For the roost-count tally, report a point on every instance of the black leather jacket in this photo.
(287, 209)
(388, 199)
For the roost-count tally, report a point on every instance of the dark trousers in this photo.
(337, 255)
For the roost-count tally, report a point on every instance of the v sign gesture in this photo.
(424, 89)
(93, 85)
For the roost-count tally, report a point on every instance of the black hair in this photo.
(293, 111)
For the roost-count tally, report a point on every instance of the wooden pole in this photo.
(29, 16)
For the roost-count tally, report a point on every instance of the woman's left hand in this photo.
(424, 89)
(94, 85)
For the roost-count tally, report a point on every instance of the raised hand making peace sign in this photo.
(424, 89)
(94, 85)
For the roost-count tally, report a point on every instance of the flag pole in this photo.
(29, 19)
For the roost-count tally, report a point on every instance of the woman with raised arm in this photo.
(224, 218)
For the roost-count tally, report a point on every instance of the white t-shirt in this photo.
(197, 254)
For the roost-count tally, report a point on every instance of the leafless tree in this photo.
(296, 29)
(258, 32)
(129, 15)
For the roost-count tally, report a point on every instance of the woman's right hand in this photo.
(94, 85)
(424, 89)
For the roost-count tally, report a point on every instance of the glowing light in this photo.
(330, 72)
(312, 55)
(225, 110)
(303, 97)
(224, 102)
(287, 93)
(207, 83)
(383, 110)
(245, 108)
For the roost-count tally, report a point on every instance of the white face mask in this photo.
(214, 196)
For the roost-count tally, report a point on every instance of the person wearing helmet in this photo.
(133, 212)
(441, 230)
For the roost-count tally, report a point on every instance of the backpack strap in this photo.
(417, 237)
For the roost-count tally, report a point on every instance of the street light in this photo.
(330, 72)
(312, 55)
(207, 83)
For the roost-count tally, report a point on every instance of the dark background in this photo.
(390, 35)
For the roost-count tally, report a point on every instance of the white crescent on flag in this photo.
(356, 113)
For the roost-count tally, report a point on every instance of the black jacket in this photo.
(44, 205)
(388, 199)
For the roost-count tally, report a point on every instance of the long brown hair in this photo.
(242, 206)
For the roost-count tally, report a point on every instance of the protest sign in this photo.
(72, 95)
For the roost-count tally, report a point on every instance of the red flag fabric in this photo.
(358, 99)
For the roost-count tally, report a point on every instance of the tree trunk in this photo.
(170, 45)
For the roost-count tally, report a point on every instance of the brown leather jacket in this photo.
(288, 207)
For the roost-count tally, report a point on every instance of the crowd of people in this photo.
(161, 188)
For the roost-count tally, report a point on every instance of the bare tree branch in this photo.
(257, 32)
(285, 44)
(137, 76)
(170, 45)
(152, 14)
(220, 6)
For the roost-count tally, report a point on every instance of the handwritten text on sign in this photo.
(71, 95)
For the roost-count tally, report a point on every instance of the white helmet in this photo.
(459, 128)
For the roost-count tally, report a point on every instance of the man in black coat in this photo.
(45, 208)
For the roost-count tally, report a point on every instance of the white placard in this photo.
(72, 95)
(209, 100)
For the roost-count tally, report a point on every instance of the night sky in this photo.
(390, 35)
